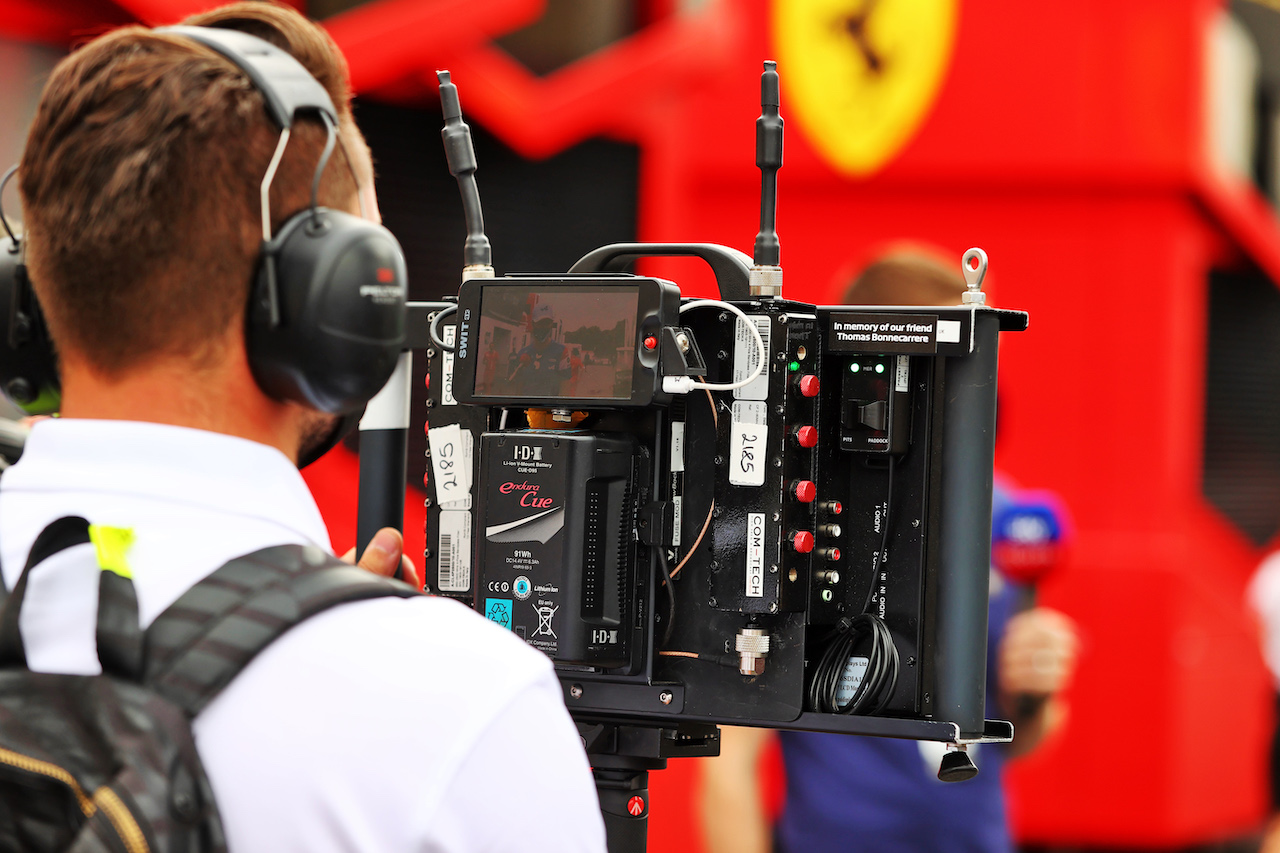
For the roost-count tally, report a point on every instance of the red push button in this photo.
(802, 542)
(805, 491)
(651, 343)
(809, 385)
(807, 436)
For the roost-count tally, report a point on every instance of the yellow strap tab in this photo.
(112, 543)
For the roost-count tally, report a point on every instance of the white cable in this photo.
(685, 384)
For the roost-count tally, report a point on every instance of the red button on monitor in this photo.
(807, 436)
(805, 491)
(651, 343)
(809, 385)
(802, 542)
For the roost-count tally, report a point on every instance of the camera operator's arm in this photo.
(1036, 660)
(730, 802)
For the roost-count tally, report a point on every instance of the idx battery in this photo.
(556, 554)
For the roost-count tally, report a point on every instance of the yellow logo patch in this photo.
(859, 76)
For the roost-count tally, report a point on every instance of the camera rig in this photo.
(744, 511)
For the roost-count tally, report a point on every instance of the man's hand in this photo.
(385, 555)
(1038, 653)
(1036, 660)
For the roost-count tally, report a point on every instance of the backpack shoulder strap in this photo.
(64, 533)
(214, 629)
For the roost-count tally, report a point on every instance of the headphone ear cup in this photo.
(338, 325)
(28, 366)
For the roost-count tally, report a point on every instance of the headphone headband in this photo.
(286, 86)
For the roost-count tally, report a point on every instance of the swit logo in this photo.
(464, 334)
(527, 453)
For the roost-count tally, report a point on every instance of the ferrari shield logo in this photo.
(859, 76)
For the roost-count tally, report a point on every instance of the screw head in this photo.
(576, 691)
(20, 391)
(665, 697)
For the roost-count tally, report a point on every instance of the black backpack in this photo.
(107, 762)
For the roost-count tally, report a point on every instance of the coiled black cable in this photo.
(866, 629)
(877, 682)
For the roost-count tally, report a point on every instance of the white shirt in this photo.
(384, 725)
(1264, 596)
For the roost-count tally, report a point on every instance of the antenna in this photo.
(461, 155)
(766, 274)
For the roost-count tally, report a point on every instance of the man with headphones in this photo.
(200, 251)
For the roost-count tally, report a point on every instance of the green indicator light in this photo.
(794, 366)
(879, 368)
(855, 367)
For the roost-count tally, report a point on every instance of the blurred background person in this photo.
(871, 794)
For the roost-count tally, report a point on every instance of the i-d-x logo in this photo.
(527, 453)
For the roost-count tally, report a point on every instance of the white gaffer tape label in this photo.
(450, 462)
(902, 375)
(748, 443)
(746, 355)
(677, 446)
(446, 369)
(755, 554)
(468, 449)
(948, 331)
(453, 566)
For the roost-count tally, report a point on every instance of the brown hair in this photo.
(306, 41)
(311, 45)
(908, 275)
(140, 187)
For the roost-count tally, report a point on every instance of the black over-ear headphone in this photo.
(28, 371)
(325, 321)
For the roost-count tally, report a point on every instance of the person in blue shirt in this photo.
(867, 794)
(542, 365)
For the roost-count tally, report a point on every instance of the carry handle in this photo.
(731, 267)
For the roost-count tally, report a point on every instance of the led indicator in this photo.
(793, 366)
(855, 367)
(879, 368)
